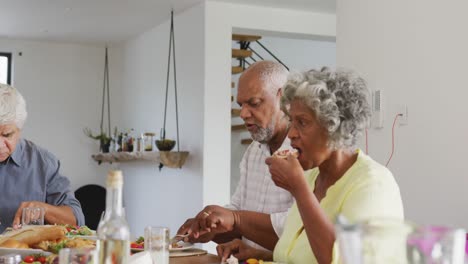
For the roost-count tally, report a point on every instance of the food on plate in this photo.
(35, 259)
(48, 238)
(138, 244)
(234, 260)
(11, 243)
(284, 153)
(34, 235)
(178, 244)
(56, 246)
(78, 231)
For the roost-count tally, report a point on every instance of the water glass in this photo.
(77, 256)
(373, 241)
(33, 216)
(157, 243)
(436, 244)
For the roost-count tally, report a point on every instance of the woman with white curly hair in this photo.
(328, 111)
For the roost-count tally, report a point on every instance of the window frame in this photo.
(8, 55)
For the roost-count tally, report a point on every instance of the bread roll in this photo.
(34, 235)
(11, 243)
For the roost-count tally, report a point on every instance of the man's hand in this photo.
(212, 219)
(19, 212)
(204, 238)
(239, 250)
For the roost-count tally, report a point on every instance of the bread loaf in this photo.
(36, 234)
(11, 243)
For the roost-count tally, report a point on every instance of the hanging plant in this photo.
(171, 159)
(103, 137)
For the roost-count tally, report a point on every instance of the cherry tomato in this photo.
(29, 259)
(133, 245)
(41, 259)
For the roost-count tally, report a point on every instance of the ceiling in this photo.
(99, 21)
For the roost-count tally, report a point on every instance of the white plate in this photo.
(184, 246)
(22, 251)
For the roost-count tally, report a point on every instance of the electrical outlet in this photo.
(377, 109)
(403, 110)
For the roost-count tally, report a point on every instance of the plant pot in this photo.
(165, 144)
(104, 147)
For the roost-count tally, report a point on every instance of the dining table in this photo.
(200, 259)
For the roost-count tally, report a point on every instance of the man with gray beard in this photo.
(258, 95)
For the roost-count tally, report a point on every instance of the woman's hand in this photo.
(286, 173)
(212, 219)
(241, 251)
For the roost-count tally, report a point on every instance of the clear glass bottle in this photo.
(113, 232)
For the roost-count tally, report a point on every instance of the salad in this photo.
(138, 244)
(78, 231)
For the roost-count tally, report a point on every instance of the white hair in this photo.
(272, 74)
(339, 99)
(12, 106)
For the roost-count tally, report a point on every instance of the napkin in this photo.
(143, 257)
(232, 260)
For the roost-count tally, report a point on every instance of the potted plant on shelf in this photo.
(104, 139)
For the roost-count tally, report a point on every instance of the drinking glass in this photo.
(157, 243)
(32, 216)
(436, 244)
(373, 241)
(77, 256)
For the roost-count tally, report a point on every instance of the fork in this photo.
(178, 238)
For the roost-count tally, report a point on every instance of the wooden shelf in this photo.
(246, 141)
(241, 37)
(235, 112)
(238, 127)
(236, 69)
(171, 159)
(241, 53)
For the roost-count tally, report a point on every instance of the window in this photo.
(5, 68)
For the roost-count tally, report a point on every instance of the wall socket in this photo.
(403, 110)
(377, 109)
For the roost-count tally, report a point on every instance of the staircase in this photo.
(241, 55)
(244, 52)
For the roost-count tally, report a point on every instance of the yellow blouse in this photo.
(366, 190)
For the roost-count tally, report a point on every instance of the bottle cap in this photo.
(114, 179)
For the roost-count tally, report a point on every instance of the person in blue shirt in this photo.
(30, 175)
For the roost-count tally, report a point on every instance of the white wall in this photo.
(62, 85)
(169, 196)
(415, 51)
(298, 54)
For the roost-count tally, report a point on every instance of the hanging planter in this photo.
(171, 159)
(103, 136)
(166, 157)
